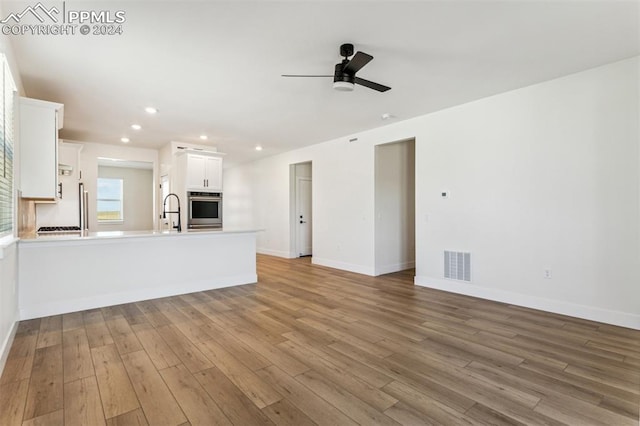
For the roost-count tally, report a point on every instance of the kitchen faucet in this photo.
(164, 211)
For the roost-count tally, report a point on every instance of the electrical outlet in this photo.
(547, 274)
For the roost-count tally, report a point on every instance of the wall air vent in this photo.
(457, 265)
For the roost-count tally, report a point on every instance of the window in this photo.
(110, 203)
(7, 97)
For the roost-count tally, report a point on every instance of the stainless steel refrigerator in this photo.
(83, 211)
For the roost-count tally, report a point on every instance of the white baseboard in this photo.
(277, 253)
(6, 346)
(623, 319)
(359, 269)
(74, 305)
(388, 269)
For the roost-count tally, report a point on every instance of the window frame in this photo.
(121, 199)
(8, 114)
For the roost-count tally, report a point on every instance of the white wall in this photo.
(8, 258)
(89, 166)
(541, 177)
(394, 207)
(137, 198)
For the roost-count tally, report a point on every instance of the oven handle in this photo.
(205, 198)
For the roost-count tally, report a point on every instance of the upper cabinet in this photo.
(39, 125)
(203, 173)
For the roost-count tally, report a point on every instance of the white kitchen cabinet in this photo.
(204, 173)
(39, 125)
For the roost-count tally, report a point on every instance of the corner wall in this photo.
(544, 177)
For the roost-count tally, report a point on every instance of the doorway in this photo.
(395, 207)
(301, 209)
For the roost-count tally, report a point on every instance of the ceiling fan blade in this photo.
(371, 84)
(299, 75)
(359, 60)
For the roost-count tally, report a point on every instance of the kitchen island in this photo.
(72, 272)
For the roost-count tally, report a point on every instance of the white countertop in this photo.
(88, 236)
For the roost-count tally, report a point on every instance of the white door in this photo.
(303, 216)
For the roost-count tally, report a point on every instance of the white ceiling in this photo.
(214, 67)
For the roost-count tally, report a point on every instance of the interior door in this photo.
(303, 216)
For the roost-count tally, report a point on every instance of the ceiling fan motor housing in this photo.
(340, 75)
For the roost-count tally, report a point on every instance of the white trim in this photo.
(7, 242)
(359, 269)
(81, 304)
(623, 319)
(277, 253)
(388, 269)
(6, 346)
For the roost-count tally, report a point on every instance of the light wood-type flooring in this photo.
(311, 345)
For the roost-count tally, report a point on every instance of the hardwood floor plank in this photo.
(343, 400)
(158, 350)
(570, 410)
(367, 393)
(55, 418)
(158, 404)
(50, 333)
(76, 355)
(72, 321)
(185, 350)
(238, 408)
(316, 408)
(246, 380)
(283, 413)
(272, 353)
(46, 385)
(123, 336)
(98, 334)
(12, 398)
(197, 405)
(116, 390)
(407, 416)
(19, 363)
(132, 418)
(82, 403)
(365, 373)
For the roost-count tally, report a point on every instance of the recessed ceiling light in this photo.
(204, 137)
(258, 148)
(136, 126)
(151, 110)
(387, 116)
(124, 140)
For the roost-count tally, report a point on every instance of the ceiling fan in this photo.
(344, 76)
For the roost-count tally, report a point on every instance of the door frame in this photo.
(293, 228)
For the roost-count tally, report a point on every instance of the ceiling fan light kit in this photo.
(343, 86)
(344, 76)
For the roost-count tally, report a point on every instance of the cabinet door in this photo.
(39, 152)
(196, 172)
(213, 173)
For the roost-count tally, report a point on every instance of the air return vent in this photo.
(457, 265)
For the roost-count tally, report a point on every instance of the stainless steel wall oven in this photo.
(205, 210)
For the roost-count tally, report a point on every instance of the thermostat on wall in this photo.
(444, 194)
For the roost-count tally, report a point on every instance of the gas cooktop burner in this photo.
(58, 229)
